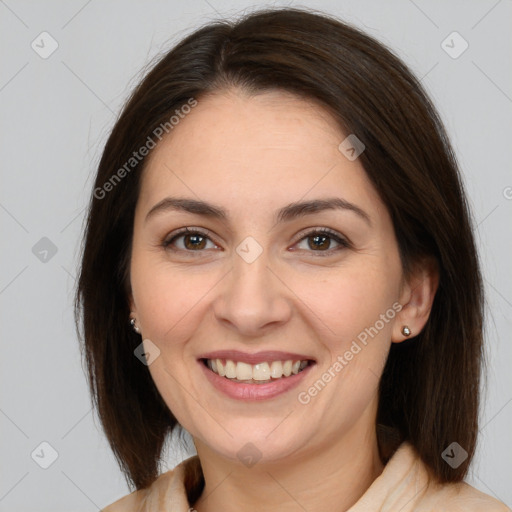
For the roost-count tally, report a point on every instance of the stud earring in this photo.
(134, 325)
(406, 331)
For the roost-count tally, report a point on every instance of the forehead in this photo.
(265, 149)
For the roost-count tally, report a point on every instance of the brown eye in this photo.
(189, 241)
(194, 242)
(319, 242)
(322, 241)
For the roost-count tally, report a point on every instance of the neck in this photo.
(333, 477)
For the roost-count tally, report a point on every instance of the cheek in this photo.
(354, 311)
(351, 302)
(170, 302)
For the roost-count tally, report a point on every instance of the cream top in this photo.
(402, 486)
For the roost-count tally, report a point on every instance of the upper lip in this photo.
(256, 357)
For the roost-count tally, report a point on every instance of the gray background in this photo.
(55, 115)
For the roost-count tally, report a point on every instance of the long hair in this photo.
(429, 390)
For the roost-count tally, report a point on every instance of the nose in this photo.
(252, 299)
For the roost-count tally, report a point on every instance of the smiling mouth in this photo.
(260, 373)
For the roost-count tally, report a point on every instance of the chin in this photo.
(261, 440)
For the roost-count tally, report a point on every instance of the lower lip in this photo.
(252, 392)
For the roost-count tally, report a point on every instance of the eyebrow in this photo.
(285, 214)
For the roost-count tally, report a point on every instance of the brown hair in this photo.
(430, 386)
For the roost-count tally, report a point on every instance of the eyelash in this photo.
(333, 235)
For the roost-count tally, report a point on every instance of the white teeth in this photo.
(259, 372)
(230, 369)
(276, 369)
(243, 371)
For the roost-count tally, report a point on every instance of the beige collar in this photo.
(404, 485)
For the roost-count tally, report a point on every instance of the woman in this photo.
(279, 259)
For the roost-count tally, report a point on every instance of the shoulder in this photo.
(406, 485)
(461, 497)
(129, 503)
(149, 499)
(168, 492)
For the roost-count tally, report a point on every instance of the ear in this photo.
(416, 297)
(133, 314)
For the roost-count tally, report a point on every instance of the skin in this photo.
(252, 155)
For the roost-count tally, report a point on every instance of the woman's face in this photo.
(258, 284)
